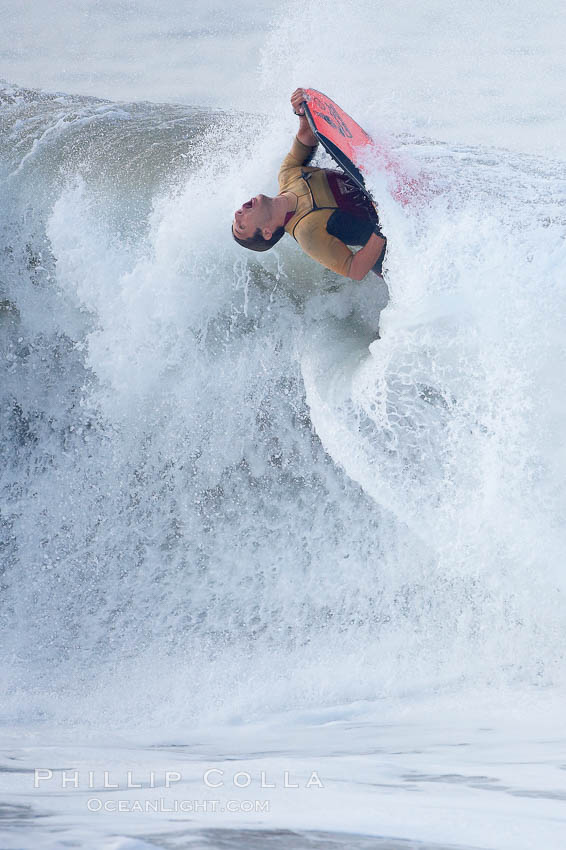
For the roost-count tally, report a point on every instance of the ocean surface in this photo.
(266, 580)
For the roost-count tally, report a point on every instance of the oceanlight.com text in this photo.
(162, 806)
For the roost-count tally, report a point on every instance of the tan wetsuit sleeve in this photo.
(294, 159)
(325, 249)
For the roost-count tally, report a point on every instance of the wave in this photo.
(220, 487)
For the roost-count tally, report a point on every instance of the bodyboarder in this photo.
(322, 209)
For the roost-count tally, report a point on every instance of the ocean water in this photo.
(267, 580)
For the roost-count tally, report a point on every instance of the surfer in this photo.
(321, 208)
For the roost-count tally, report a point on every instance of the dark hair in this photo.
(257, 242)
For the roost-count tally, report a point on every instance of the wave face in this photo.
(221, 496)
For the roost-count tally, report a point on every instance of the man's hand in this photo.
(298, 97)
(305, 134)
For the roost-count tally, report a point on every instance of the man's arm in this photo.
(331, 252)
(305, 134)
(303, 145)
(366, 258)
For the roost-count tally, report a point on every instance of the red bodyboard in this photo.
(348, 143)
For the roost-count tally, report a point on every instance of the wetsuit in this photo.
(331, 211)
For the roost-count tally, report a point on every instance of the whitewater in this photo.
(281, 554)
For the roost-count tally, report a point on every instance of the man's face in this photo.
(251, 215)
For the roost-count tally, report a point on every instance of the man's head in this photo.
(256, 224)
